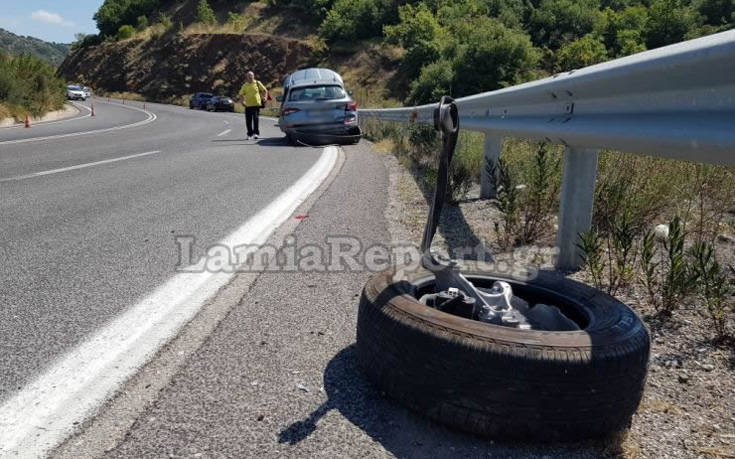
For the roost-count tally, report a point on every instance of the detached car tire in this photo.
(504, 382)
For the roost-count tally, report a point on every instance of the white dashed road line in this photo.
(78, 166)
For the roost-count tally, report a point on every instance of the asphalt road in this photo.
(90, 208)
(279, 377)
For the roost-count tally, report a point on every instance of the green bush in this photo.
(165, 20)
(488, 55)
(205, 13)
(236, 20)
(588, 50)
(623, 30)
(356, 19)
(434, 81)
(125, 31)
(142, 23)
(556, 22)
(29, 85)
(670, 21)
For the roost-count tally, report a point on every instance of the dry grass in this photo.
(227, 28)
(4, 112)
(384, 146)
(13, 111)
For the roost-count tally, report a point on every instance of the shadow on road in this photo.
(405, 434)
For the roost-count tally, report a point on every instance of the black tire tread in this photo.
(501, 387)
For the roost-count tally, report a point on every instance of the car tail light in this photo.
(352, 106)
(290, 110)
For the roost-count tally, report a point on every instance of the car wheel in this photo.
(505, 382)
(292, 140)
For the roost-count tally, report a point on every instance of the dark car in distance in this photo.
(199, 100)
(221, 103)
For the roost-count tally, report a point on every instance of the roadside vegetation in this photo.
(663, 230)
(28, 86)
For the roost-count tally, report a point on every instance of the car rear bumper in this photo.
(325, 133)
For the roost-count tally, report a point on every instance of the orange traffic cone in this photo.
(28, 121)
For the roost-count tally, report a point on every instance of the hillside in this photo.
(53, 53)
(410, 51)
(174, 55)
(174, 65)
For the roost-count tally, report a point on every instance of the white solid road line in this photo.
(224, 132)
(45, 412)
(78, 166)
(45, 123)
(151, 117)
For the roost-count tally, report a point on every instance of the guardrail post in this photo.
(577, 198)
(493, 147)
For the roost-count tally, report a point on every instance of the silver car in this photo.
(75, 92)
(316, 108)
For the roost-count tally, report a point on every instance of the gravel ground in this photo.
(688, 410)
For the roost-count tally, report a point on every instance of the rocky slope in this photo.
(175, 65)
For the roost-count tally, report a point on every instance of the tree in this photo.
(623, 30)
(417, 24)
(489, 56)
(670, 21)
(434, 81)
(580, 53)
(718, 12)
(417, 32)
(115, 13)
(555, 22)
(358, 19)
(205, 13)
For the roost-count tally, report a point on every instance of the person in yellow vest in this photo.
(253, 95)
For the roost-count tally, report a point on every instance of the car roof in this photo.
(313, 76)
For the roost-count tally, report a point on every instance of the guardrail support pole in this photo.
(577, 198)
(493, 147)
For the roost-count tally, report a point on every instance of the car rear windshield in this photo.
(205, 95)
(322, 92)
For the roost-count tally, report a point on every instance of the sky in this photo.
(49, 20)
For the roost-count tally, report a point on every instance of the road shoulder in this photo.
(113, 421)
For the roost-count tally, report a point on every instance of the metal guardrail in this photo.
(677, 102)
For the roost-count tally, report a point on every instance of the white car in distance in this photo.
(74, 92)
